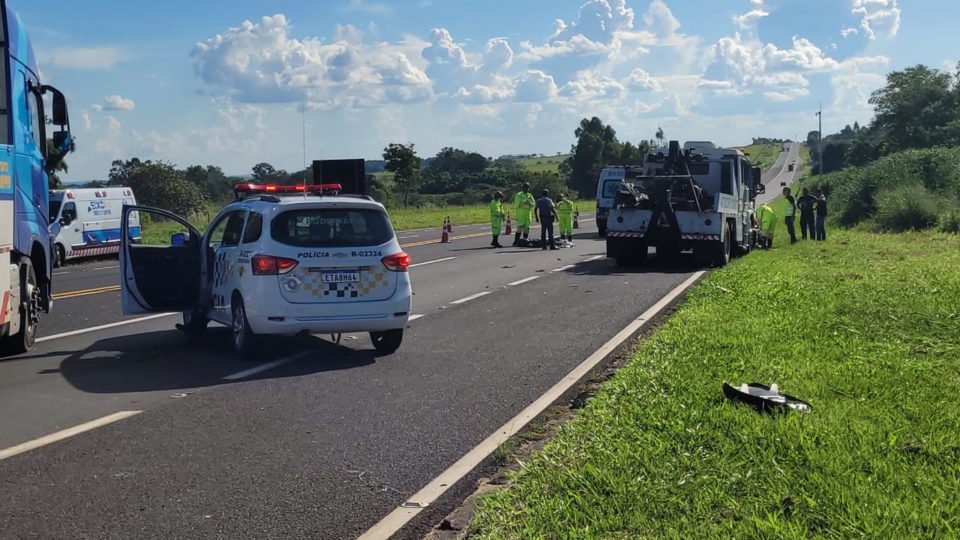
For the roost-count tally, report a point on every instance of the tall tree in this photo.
(158, 184)
(62, 167)
(402, 160)
(659, 136)
(264, 173)
(916, 109)
(596, 146)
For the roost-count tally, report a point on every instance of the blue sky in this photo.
(224, 83)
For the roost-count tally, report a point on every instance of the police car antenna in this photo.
(303, 118)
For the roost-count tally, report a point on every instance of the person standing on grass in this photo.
(806, 204)
(821, 225)
(768, 222)
(496, 218)
(789, 213)
(524, 203)
(546, 213)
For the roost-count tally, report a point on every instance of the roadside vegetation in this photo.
(762, 155)
(864, 327)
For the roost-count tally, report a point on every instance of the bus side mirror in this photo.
(58, 116)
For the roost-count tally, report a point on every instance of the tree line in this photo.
(918, 108)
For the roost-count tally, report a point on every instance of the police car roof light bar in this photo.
(247, 189)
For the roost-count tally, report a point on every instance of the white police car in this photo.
(272, 264)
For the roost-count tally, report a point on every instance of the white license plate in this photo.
(341, 277)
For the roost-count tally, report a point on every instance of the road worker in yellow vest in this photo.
(768, 221)
(565, 216)
(523, 202)
(496, 218)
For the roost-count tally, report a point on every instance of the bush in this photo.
(950, 221)
(907, 208)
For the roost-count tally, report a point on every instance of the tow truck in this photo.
(25, 164)
(697, 197)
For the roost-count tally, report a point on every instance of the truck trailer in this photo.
(697, 197)
(26, 160)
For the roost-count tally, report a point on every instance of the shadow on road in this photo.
(168, 361)
(685, 263)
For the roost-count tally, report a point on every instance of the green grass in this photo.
(544, 164)
(864, 327)
(762, 155)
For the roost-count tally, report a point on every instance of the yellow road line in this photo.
(85, 292)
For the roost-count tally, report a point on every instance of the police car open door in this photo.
(158, 274)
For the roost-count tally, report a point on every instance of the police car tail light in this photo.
(265, 265)
(398, 262)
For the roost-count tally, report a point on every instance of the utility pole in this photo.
(820, 138)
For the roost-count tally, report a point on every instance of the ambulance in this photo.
(86, 222)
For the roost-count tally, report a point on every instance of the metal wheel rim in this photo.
(239, 326)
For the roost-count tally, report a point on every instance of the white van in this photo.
(607, 188)
(86, 222)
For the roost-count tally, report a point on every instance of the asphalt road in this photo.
(779, 173)
(310, 439)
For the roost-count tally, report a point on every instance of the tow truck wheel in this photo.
(243, 336)
(23, 340)
(723, 250)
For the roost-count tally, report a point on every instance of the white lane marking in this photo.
(471, 297)
(264, 367)
(432, 262)
(107, 267)
(415, 317)
(400, 516)
(65, 434)
(522, 281)
(563, 268)
(60, 273)
(596, 258)
(408, 237)
(104, 327)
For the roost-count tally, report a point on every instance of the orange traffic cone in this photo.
(509, 230)
(449, 224)
(445, 234)
(576, 219)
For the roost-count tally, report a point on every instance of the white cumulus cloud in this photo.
(115, 103)
(750, 18)
(878, 17)
(260, 63)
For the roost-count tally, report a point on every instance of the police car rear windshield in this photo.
(332, 227)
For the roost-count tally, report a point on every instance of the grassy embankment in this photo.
(866, 327)
(762, 155)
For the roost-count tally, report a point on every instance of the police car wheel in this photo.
(243, 337)
(387, 342)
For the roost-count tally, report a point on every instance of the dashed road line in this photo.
(264, 367)
(435, 261)
(563, 268)
(471, 297)
(522, 281)
(415, 317)
(103, 327)
(86, 292)
(65, 434)
(107, 267)
(596, 258)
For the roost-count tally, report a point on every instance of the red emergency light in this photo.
(241, 190)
